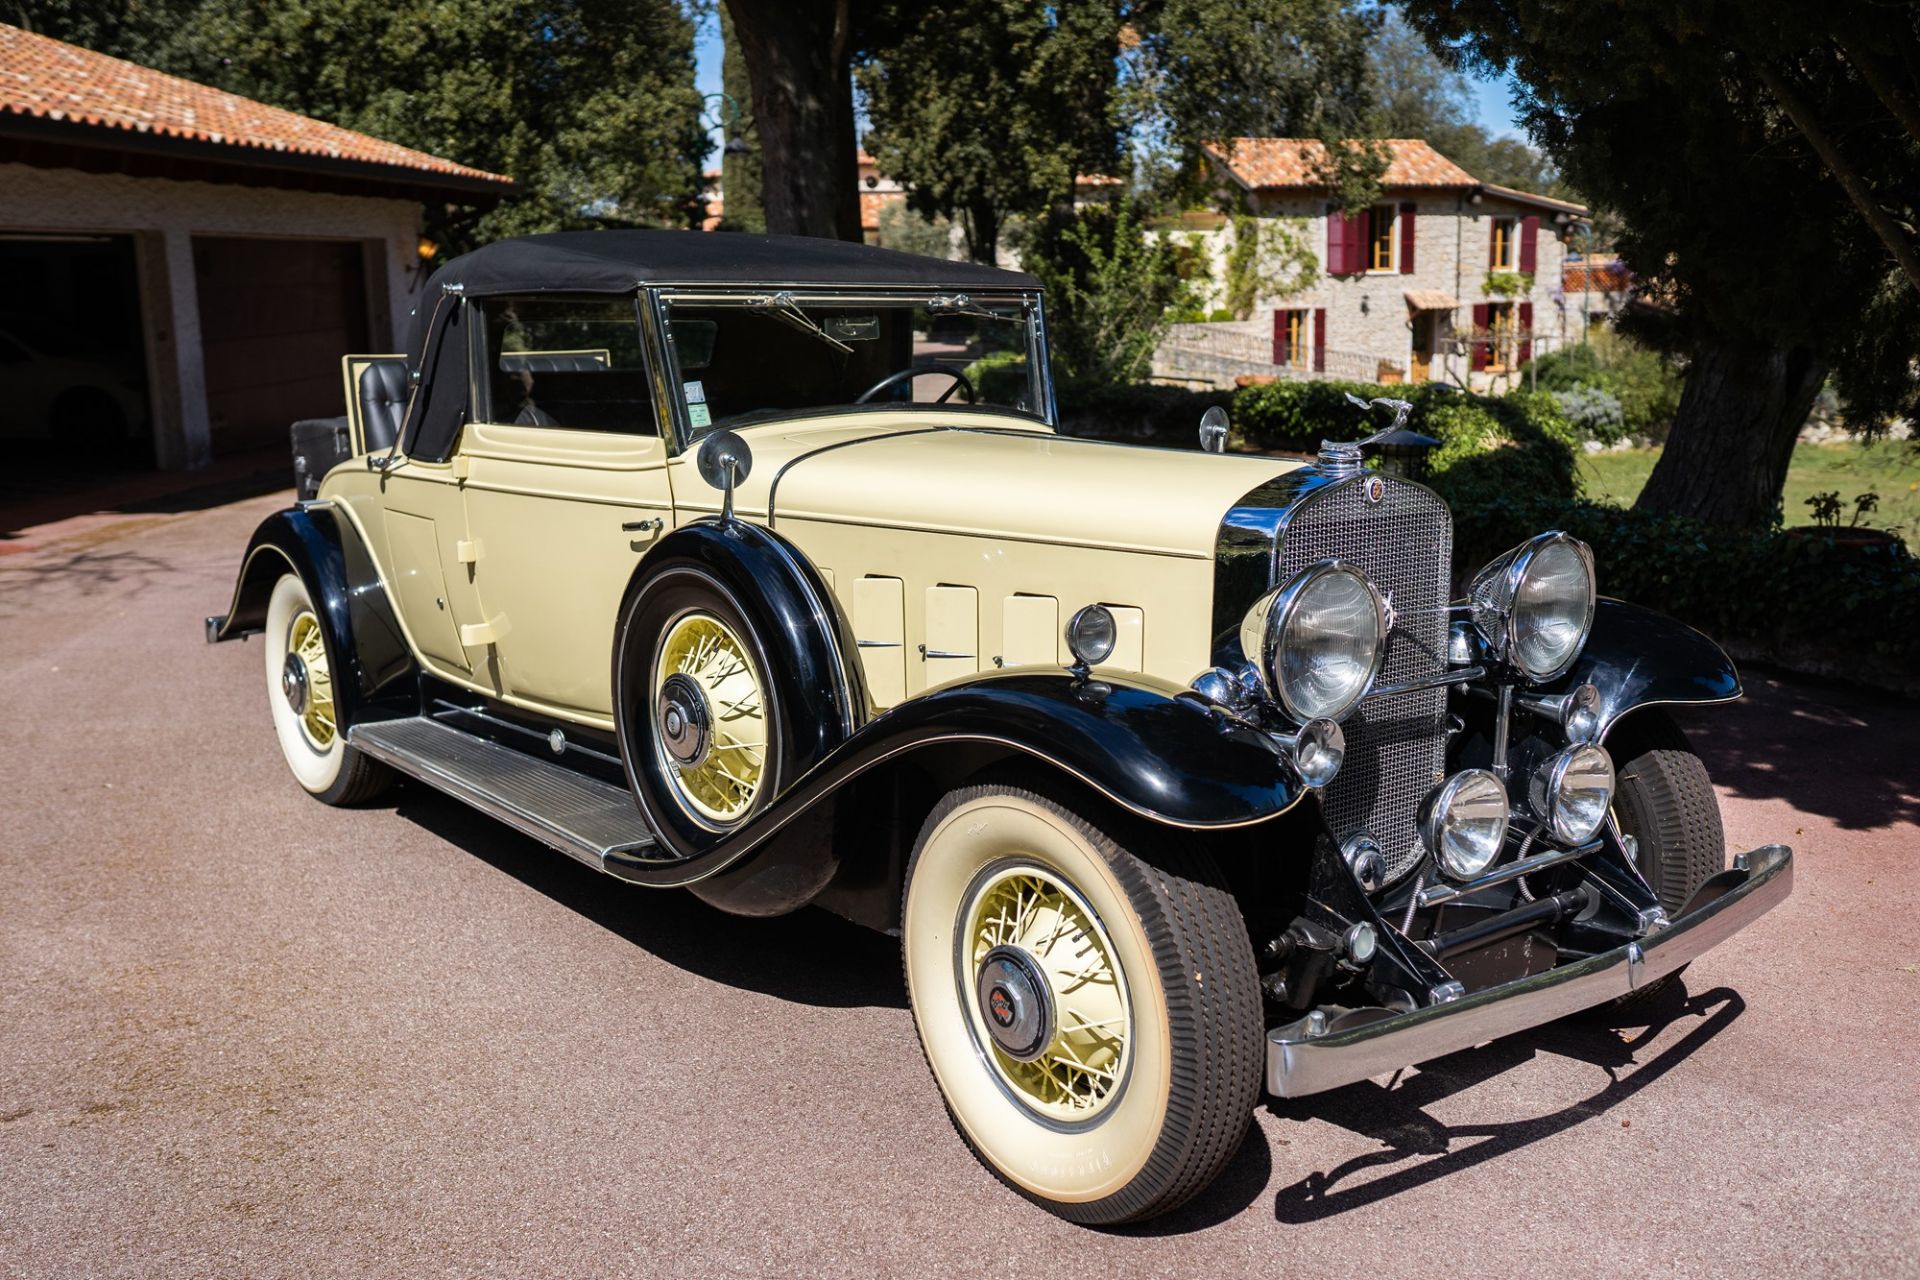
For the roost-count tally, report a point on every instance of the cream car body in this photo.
(760, 567)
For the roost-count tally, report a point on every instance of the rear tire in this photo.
(1664, 800)
(300, 697)
(1131, 1087)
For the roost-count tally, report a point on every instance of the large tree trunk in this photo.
(1726, 458)
(739, 169)
(982, 227)
(796, 53)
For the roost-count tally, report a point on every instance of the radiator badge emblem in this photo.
(1375, 488)
(1388, 616)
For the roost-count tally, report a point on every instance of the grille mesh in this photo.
(1396, 744)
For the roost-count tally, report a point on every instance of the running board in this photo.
(582, 817)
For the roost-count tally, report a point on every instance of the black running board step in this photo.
(580, 816)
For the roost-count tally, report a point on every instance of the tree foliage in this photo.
(990, 108)
(1110, 289)
(588, 105)
(1757, 260)
(1420, 96)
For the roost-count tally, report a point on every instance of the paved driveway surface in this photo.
(243, 1034)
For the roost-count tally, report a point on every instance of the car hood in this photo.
(962, 475)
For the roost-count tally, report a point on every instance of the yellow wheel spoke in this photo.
(723, 785)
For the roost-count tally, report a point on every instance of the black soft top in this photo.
(617, 262)
(621, 261)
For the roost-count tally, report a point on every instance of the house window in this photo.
(1380, 238)
(1290, 339)
(1502, 328)
(1502, 256)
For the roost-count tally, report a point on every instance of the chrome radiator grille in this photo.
(1396, 744)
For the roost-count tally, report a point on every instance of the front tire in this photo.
(1665, 801)
(300, 697)
(1093, 1020)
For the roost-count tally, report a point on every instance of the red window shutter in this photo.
(1529, 244)
(1281, 351)
(1526, 329)
(1319, 339)
(1336, 241)
(1481, 351)
(1406, 238)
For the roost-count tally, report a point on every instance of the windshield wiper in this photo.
(961, 305)
(781, 306)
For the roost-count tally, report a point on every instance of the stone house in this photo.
(1445, 276)
(182, 268)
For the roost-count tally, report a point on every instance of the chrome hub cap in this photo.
(293, 683)
(1015, 1002)
(684, 720)
(1049, 1003)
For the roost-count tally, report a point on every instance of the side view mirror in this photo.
(724, 461)
(1213, 430)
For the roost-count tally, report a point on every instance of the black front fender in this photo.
(1169, 759)
(1638, 658)
(364, 638)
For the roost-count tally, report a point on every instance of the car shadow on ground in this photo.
(1418, 1149)
(785, 957)
(1843, 753)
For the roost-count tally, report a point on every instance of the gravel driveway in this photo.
(245, 1035)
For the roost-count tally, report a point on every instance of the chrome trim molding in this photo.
(1359, 1044)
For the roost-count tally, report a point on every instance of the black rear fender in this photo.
(363, 634)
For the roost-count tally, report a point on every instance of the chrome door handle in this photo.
(643, 526)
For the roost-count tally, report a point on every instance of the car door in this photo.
(566, 489)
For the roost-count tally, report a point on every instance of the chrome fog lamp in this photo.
(1581, 719)
(1464, 823)
(1091, 635)
(1534, 605)
(1317, 642)
(1317, 751)
(1572, 790)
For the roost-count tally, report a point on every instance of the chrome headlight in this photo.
(1572, 790)
(1534, 605)
(1318, 641)
(1464, 823)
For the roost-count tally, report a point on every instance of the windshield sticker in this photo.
(698, 415)
(696, 391)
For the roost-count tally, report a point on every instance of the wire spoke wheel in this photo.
(712, 718)
(1079, 1065)
(305, 642)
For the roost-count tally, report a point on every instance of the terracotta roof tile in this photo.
(1600, 277)
(51, 80)
(1270, 163)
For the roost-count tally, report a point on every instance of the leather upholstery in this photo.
(383, 402)
(551, 362)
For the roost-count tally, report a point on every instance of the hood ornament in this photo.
(1348, 457)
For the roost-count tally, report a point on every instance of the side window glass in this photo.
(572, 364)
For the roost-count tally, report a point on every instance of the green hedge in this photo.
(1489, 445)
(1807, 603)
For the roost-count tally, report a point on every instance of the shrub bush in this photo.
(1804, 602)
(1594, 413)
(1645, 383)
(1144, 413)
(1517, 443)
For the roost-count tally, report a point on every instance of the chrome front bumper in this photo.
(1324, 1050)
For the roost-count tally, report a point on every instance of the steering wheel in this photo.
(960, 382)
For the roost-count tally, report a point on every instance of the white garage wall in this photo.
(164, 216)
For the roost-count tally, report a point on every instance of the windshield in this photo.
(743, 360)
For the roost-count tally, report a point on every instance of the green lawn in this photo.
(1890, 468)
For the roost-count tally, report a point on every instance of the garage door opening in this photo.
(73, 369)
(275, 318)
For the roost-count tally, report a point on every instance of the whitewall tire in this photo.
(1093, 1020)
(300, 698)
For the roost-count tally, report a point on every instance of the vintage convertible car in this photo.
(757, 566)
